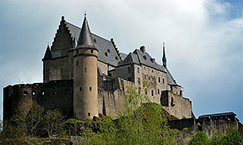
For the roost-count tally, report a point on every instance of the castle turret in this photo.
(164, 58)
(85, 86)
(46, 63)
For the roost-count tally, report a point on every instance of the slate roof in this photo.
(217, 115)
(140, 58)
(85, 38)
(107, 52)
(48, 53)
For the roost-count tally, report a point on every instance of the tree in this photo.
(33, 119)
(233, 137)
(199, 139)
(52, 122)
(217, 137)
(140, 122)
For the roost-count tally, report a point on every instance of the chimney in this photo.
(142, 48)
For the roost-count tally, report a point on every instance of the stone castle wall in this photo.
(59, 95)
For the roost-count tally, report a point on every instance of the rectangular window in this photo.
(152, 92)
(129, 79)
(129, 70)
(138, 70)
(159, 79)
(139, 82)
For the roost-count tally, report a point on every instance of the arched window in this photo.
(90, 88)
(152, 92)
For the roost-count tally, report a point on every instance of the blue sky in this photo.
(203, 38)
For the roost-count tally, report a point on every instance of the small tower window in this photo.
(158, 91)
(25, 92)
(77, 63)
(138, 70)
(80, 89)
(90, 88)
(92, 51)
(94, 40)
(85, 70)
(163, 81)
(159, 79)
(106, 54)
(66, 91)
(88, 114)
(152, 92)
(139, 82)
(108, 50)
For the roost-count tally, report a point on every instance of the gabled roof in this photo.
(140, 58)
(107, 52)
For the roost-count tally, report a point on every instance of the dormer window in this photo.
(144, 57)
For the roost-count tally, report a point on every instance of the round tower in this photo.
(85, 86)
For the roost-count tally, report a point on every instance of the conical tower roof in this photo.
(85, 38)
(48, 53)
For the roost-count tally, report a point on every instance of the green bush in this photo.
(199, 139)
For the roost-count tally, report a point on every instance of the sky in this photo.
(203, 40)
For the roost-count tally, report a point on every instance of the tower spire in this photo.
(164, 57)
(85, 38)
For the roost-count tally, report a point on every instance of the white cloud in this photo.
(203, 45)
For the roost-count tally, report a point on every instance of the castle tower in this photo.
(85, 86)
(164, 58)
(46, 63)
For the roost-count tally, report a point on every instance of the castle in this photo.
(85, 74)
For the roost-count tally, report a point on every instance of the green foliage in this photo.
(139, 123)
(36, 123)
(233, 137)
(199, 139)
(52, 122)
(217, 137)
(33, 119)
